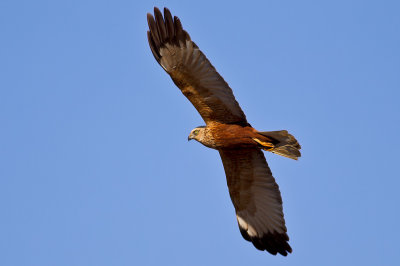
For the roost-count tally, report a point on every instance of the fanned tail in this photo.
(283, 144)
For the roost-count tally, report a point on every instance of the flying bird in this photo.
(252, 188)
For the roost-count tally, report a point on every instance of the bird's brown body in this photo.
(253, 190)
(225, 136)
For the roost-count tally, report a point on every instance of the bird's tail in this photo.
(283, 144)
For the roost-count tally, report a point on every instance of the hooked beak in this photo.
(190, 137)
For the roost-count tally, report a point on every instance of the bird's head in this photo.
(197, 133)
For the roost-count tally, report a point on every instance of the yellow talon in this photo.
(264, 144)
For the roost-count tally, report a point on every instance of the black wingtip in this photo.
(156, 9)
(163, 30)
(273, 243)
(149, 18)
(166, 9)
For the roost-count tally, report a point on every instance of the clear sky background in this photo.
(95, 167)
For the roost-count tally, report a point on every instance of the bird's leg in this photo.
(266, 145)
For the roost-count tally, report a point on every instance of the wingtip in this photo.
(151, 22)
(273, 243)
(166, 9)
(157, 12)
(177, 20)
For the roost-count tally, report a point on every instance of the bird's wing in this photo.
(257, 199)
(191, 71)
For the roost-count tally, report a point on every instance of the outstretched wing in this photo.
(191, 71)
(257, 200)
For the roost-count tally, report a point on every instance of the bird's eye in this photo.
(196, 132)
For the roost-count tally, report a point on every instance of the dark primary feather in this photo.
(191, 71)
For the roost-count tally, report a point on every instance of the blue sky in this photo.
(95, 164)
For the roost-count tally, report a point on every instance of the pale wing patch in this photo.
(247, 227)
(242, 222)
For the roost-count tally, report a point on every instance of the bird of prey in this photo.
(252, 188)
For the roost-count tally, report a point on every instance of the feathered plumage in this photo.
(253, 190)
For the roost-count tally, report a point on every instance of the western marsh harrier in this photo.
(253, 190)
